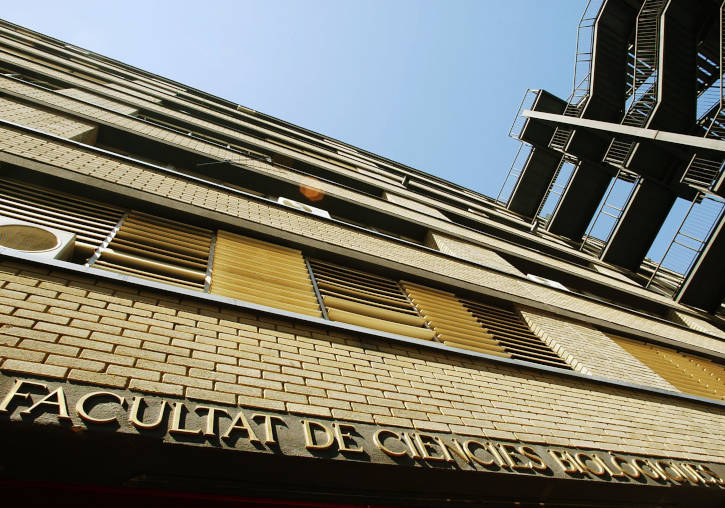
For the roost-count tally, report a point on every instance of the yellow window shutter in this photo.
(454, 325)
(363, 299)
(91, 221)
(159, 249)
(476, 326)
(263, 273)
(688, 373)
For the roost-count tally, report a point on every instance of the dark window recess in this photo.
(26, 76)
(589, 288)
(521, 240)
(253, 152)
(236, 176)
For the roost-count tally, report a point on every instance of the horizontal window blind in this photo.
(453, 324)
(91, 221)
(476, 326)
(687, 372)
(512, 332)
(363, 299)
(264, 273)
(160, 249)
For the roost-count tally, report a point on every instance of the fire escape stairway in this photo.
(605, 83)
(643, 92)
(705, 169)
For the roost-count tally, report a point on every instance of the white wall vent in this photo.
(304, 207)
(546, 282)
(35, 239)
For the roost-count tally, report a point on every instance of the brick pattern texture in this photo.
(47, 121)
(591, 351)
(470, 252)
(108, 168)
(64, 326)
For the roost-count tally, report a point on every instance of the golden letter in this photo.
(15, 393)
(81, 407)
(715, 478)
(379, 442)
(496, 455)
(413, 450)
(269, 437)
(621, 462)
(240, 423)
(341, 435)
(133, 414)
(176, 422)
(423, 447)
(691, 473)
(59, 402)
(601, 462)
(310, 443)
(676, 476)
(210, 428)
(566, 462)
(510, 452)
(456, 448)
(582, 459)
(472, 455)
(655, 474)
(536, 461)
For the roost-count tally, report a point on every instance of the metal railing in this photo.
(557, 187)
(686, 244)
(512, 178)
(519, 122)
(642, 100)
(609, 212)
(704, 170)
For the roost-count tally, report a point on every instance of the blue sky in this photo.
(431, 84)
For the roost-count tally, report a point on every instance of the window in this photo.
(689, 373)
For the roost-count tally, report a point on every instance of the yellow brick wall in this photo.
(63, 326)
(47, 121)
(470, 252)
(698, 324)
(98, 101)
(413, 205)
(590, 351)
(106, 168)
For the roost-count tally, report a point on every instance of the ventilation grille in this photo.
(91, 222)
(362, 299)
(688, 373)
(160, 249)
(263, 273)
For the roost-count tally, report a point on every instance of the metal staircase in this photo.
(704, 169)
(609, 212)
(642, 97)
(557, 186)
(582, 73)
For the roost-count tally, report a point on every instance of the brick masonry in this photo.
(110, 169)
(62, 326)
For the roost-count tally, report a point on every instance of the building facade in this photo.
(204, 305)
